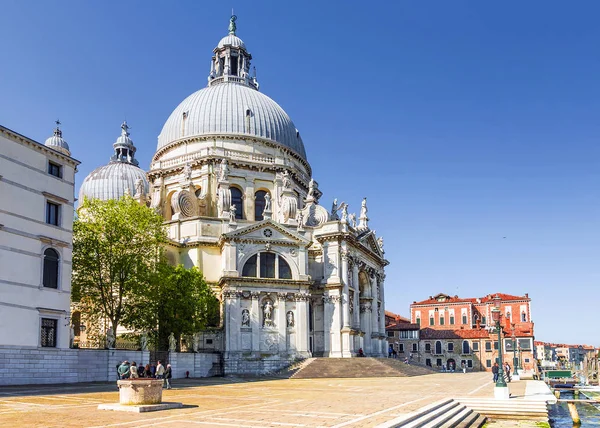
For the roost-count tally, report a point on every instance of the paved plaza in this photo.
(235, 402)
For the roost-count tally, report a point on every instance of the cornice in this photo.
(18, 138)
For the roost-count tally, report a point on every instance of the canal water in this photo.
(561, 418)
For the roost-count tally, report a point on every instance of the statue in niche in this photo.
(268, 314)
(352, 218)
(110, 338)
(172, 343)
(245, 318)
(144, 342)
(232, 211)
(267, 202)
(224, 170)
(290, 319)
(187, 172)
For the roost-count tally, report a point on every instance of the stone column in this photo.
(301, 326)
(365, 323)
(382, 320)
(255, 322)
(345, 292)
(374, 320)
(233, 321)
(281, 322)
(336, 335)
(356, 285)
(327, 316)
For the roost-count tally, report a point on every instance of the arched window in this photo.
(438, 347)
(236, 199)
(267, 265)
(250, 267)
(50, 275)
(259, 205)
(465, 347)
(198, 192)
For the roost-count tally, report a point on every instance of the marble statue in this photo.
(345, 213)
(268, 314)
(334, 209)
(287, 181)
(144, 342)
(300, 221)
(187, 172)
(352, 218)
(245, 318)
(172, 343)
(232, 210)
(139, 187)
(380, 242)
(224, 171)
(110, 338)
(290, 319)
(267, 202)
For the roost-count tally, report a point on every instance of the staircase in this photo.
(514, 409)
(357, 368)
(442, 414)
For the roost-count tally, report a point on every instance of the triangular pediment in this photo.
(268, 230)
(368, 240)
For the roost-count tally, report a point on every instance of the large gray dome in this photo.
(231, 109)
(113, 181)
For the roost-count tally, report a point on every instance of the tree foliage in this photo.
(178, 301)
(116, 243)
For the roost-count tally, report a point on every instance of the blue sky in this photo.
(472, 127)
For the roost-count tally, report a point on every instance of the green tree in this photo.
(178, 301)
(116, 244)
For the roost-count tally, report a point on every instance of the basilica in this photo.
(232, 180)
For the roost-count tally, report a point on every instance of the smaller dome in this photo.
(231, 40)
(57, 142)
(113, 181)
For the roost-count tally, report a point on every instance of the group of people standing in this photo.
(496, 372)
(125, 370)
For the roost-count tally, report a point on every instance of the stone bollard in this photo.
(574, 413)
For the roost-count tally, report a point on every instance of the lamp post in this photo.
(501, 390)
(515, 375)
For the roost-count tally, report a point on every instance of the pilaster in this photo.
(281, 322)
(255, 322)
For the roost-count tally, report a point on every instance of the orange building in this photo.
(456, 330)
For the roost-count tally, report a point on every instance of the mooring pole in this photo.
(574, 413)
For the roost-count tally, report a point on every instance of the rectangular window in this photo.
(419, 322)
(464, 319)
(451, 320)
(450, 347)
(524, 317)
(48, 332)
(483, 320)
(475, 346)
(470, 364)
(401, 348)
(428, 347)
(488, 363)
(267, 265)
(524, 344)
(438, 362)
(428, 362)
(52, 213)
(390, 334)
(526, 360)
(431, 321)
(414, 347)
(488, 346)
(441, 320)
(54, 169)
(209, 341)
(496, 346)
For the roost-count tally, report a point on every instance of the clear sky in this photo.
(471, 126)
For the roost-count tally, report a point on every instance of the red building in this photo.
(456, 330)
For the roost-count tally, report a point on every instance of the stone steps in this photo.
(446, 413)
(357, 368)
(511, 409)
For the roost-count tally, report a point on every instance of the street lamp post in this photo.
(515, 375)
(501, 390)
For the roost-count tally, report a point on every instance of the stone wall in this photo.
(25, 366)
(246, 366)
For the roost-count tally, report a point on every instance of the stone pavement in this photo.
(255, 403)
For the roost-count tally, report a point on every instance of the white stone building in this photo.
(36, 231)
(232, 180)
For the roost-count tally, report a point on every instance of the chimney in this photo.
(526, 294)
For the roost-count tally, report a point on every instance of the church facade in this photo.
(231, 178)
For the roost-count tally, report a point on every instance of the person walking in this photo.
(495, 369)
(133, 371)
(160, 370)
(168, 376)
(507, 371)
